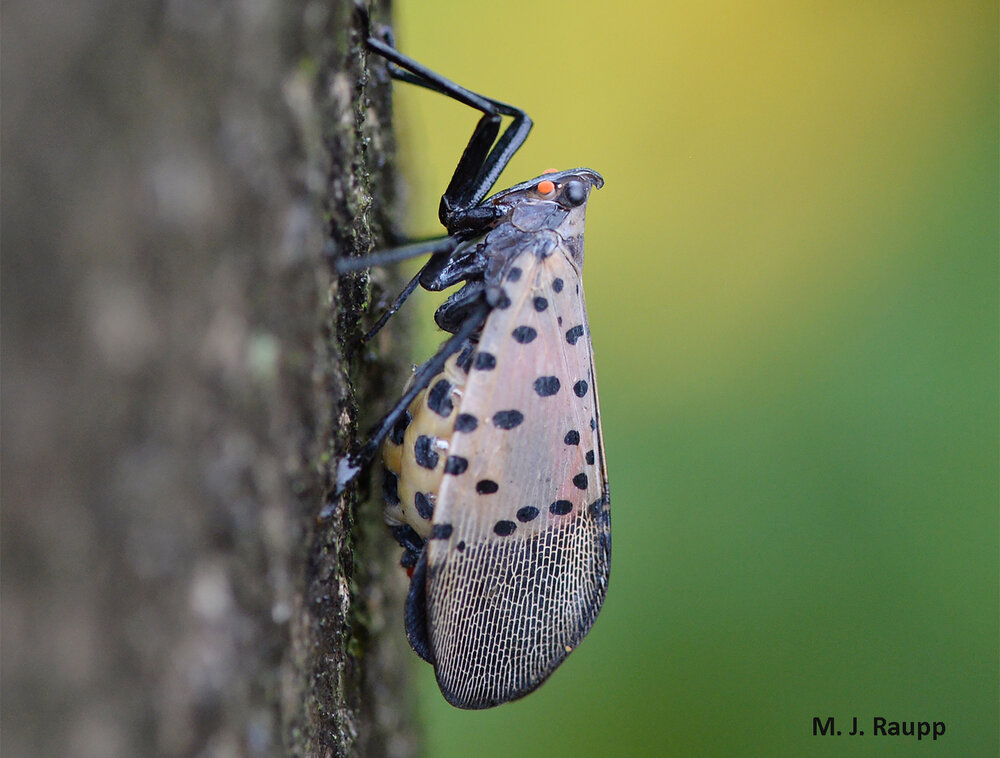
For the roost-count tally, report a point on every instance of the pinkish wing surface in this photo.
(518, 562)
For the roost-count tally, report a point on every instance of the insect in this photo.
(494, 479)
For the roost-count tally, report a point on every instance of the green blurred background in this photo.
(792, 283)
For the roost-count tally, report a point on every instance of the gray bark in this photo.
(177, 579)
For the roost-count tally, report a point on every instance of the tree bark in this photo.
(177, 578)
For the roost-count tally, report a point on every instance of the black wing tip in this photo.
(415, 614)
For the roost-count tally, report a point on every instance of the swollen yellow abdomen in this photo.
(416, 453)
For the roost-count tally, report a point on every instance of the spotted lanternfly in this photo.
(494, 477)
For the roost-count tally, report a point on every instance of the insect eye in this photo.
(546, 188)
(575, 193)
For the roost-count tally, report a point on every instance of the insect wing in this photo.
(518, 561)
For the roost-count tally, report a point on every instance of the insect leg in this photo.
(453, 312)
(349, 466)
(425, 77)
(396, 304)
(482, 162)
(396, 254)
(434, 246)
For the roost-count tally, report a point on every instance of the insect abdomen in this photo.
(415, 454)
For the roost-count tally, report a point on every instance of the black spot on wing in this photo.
(504, 528)
(580, 388)
(524, 334)
(441, 531)
(574, 333)
(486, 487)
(546, 386)
(456, 465)
(514, 274)
(590, 457)
(557, 284)
(466, 422)
(507, 419)
(580, 481)
(572, 437)
(560, 507)
(485, 362)
(527, 513)
(540, 303)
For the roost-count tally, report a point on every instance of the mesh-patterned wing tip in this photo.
(502, 615)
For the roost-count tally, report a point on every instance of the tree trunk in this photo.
(177, 578)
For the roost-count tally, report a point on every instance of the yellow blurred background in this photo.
(792, 285)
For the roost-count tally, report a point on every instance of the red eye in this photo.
(546, 187)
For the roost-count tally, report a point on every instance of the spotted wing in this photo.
(518, 560)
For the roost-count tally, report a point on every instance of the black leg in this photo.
(508, 144)
(425, 77)
(482, 162)
(396, 254)
(463, 181)
(479, 167)
(433, 246)
(349, 466)
(396, 305)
